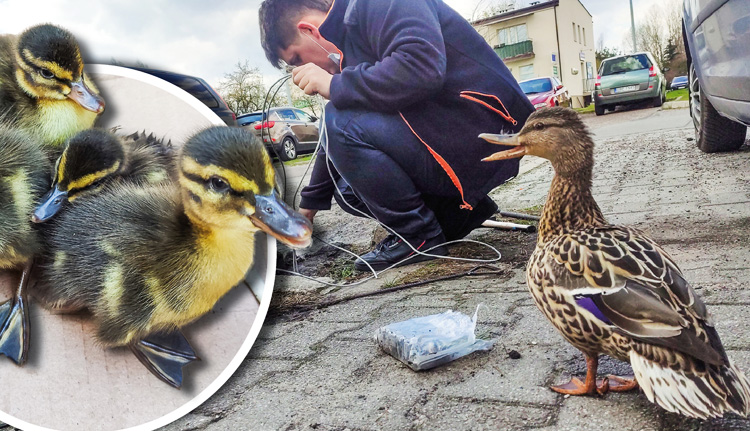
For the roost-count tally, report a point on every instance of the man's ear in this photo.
(309, 28)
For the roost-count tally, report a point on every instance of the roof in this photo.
(517, 12)
(523, 11)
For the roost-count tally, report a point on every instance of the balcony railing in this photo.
(514, 51)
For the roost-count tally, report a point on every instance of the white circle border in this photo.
(265, 301)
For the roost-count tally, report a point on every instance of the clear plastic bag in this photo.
(427, 342)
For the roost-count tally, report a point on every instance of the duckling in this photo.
(147, 260)
(95, 158)
(612, 289)
(24, 176)
(43, 89)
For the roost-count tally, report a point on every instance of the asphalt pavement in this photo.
(321, 369)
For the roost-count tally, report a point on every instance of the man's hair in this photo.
(278, 23)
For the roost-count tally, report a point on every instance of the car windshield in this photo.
(625, 64)
(680, 79)
(249, 118)
(536, 86)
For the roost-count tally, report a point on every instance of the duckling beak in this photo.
(51, 204)
(82, 95)
(276, 218)
(519, 150)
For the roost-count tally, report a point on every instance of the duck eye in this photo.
(46, 73)
(539, 126)
(218, 185)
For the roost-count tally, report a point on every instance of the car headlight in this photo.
(541, 105)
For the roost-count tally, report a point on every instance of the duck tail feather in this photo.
(695, 389)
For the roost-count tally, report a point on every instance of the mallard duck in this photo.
(24, 176)
(43, 89)
(612, 289)
(96, 158)
(147, 260)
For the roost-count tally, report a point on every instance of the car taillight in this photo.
(265, 125)
(651, 72)
(598, 82)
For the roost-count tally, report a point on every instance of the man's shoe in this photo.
(392, 251)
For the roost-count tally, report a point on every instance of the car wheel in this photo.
(713, 133)
(288, 149)
(658, 100)
(599, 109)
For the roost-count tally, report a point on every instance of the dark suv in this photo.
(286, 132)
(199, 89)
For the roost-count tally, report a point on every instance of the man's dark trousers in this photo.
(389, 174)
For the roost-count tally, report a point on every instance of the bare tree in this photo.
(312, 104)
(659, 33)
(651, 36)
(243, 89)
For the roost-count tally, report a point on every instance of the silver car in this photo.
(716, 35)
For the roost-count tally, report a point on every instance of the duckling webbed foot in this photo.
(14, 318)
(164, 354)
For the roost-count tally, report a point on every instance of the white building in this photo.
(547, 38)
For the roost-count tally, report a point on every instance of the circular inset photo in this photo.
(71, 380)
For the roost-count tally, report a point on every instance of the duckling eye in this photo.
(539, 126)
(218, 185)
(46, 73)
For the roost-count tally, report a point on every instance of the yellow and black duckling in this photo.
(147, 260)
(43, 89)
(95, 158)
(611, 289)
(24, 177)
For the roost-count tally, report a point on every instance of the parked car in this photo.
(545, 92)
(286, 131)
(628, 79)
(679, 82)
(198, 88)
(716, 35)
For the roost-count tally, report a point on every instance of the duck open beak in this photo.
(519, 150)
(82, 95)
(51, 204)
(276, 218)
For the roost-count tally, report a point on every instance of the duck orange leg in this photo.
(593, 386)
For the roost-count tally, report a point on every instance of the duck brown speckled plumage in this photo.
(611, 289)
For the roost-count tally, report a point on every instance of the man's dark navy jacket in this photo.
(420, 58)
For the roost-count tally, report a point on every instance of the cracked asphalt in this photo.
(321, 370)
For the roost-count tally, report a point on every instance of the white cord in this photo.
(324, 133)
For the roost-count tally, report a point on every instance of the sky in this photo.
(208, 39)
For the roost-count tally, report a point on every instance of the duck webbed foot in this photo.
(14, 318)
(592, 385)
(164, 354)
(618, 384)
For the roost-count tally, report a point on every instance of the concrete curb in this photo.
(677, 104)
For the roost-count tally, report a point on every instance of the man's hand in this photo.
(311, 79)
(310, 214)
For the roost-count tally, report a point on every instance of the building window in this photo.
(574, 33)
(511, 35)
(579, 34)
(526, 72)
(584, 36)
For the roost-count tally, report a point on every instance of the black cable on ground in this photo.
(476, 271)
